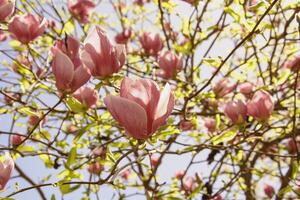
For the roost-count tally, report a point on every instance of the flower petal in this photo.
(63, 70)
(129, 114)
(164, 107)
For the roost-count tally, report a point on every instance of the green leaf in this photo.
(69, 27)
(232, 13)
(257, 6)
(110, 155)
(27, 111)
(16, 45)
(224, 137)
(285, 190)
(214, 62)
(295, 169)
(72, 156)
(25, 148)
(66, 188)
(75, 105)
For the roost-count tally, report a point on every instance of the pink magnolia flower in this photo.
(34, 119)
(95, 168)
(246, 88)
(292, 146)
(72, 129)
(80, 9)
(16, 140)
(21, 61)
(141, 108)
(236, 111)
(27, 28)
(219, 197)
(126, 173)
(151, 43)
(123, 37)
(190, 1)
(140, 2)
(189, 184)
(223, 87)
(87, 96)
(2, 36)
(7, 8)
(261, 105)
(10, 97)
(269, 190)
(293, 64)
(99, 152)
(210, 124)
(69, 46)
(154, 160)
(170, 64)
(186, 125)
(68, 76)
(100, 56)
(6, 170)
(179, 174)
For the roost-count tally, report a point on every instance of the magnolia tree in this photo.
(162, 99)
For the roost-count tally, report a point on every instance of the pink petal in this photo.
(87, 61)
(129, 114)
(81, 76)
(164, 107)
(63, 70)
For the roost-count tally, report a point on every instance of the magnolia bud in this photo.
(95, 168)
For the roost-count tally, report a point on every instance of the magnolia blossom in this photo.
(126, 174)
(16, 140)
(21, 61)
(81, 9)
(189, 184)
(141, 107)
(100, 56)
(236, 111)
(27, 28)
(10, 97)
(186, 125)
(6, 170)
(170, 64)
(154, 160)
(69, 76)
(34, 119)
(210, 124)
(69, 46)
(72, 129)
(223, 87)
(292, 146)
(179, 174)
(260, 106)
(141, 2)
(151, 43)
(7, 8)
(190, 1)
(87, 96)
(269, 190)
(123, 37)
(293, 64)
(246, 88)
(99, 152)
(95, 168)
